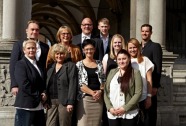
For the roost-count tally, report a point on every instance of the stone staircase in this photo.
(179, 93)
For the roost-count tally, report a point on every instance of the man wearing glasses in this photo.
(87, 27)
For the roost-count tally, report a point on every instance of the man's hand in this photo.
(14, 91)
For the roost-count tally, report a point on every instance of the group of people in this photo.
(86, 80)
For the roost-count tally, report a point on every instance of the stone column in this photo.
(1, 14)
(142, 15)
(9, 20)
(157, 18)
(16, 13)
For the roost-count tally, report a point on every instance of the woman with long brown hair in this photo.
(122, 91)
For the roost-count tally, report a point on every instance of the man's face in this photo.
(104, 28)
(145, 33)
(87, 26)
(32, 31)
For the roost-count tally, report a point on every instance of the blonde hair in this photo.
(60, 30)
(112, 53)
(28, 41)
(138, 46)
(104, 21)
(58, 48)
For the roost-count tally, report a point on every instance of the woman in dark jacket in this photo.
(61, 88)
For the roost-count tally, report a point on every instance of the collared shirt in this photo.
(105, 42)
(83, 37)
(38, 51)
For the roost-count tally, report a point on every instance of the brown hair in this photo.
(137, 44)
(128, 73)
(147, 25)
(32, 21)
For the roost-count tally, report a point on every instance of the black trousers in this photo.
(123, 122)
(150, 115)
(29, 118)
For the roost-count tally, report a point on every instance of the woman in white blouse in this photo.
(122, 92)
(145, 66)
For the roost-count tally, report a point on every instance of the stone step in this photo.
(179, 87)
(179, 97)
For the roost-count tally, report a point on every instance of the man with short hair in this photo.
(87, 27)
(104, 26)
(153, 51)
(17, 53)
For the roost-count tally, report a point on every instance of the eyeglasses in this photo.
(89, 49)
(89, 25)
(65, 34)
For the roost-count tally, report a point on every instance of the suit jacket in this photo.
(153, 51)
(30, 83)
(134, 92)
(109, 41)
(99, 53)
(16, 55)
(66, 82)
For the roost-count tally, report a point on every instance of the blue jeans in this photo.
(29, 118)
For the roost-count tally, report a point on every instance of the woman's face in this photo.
(60, 57)
(30, 50)
(89, 50)
(65, 36)
(123, 61)
(133, 50)
(117, 44)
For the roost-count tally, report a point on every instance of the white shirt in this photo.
(83, 37)
(117, 98)
(38, 51)
(143, 67)
(105, 42)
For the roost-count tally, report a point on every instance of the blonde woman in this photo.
(109, 60)
(64, 37)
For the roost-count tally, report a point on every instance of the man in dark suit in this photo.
(104, 26)
(32, 32)
(30, 78)
(87, 27)
(154, 52)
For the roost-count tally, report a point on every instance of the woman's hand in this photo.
(97, 95)
(120, 111)
(147, 102)
(113, 111)
(69, 108)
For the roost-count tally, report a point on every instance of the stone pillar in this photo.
(157, 18)
(16, 13)
(9, 20)
(142, 15)
(1, 14)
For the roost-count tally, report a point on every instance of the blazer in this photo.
(109, 41)
(66, 82)
(132, 96)
(99, 53)
(16, 55)
(75, 55)
(153, 51)
(30, 83)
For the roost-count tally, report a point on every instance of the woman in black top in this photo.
(109, 60)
